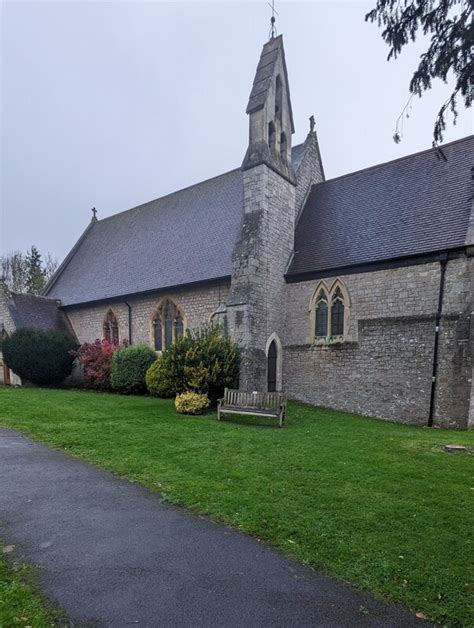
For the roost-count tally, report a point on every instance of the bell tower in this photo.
(255, 308)
(270, 115)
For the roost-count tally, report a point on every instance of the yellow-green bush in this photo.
(202, 360)
(161, 377)
(191, 403)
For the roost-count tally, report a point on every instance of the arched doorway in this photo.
(274, 364)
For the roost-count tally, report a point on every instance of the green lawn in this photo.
(20, 603)
(376, 504)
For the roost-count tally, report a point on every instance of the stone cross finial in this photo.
(312, 123)
(94, 214)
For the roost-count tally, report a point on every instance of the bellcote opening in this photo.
(271, 136)
(278, 99)
(283, 146)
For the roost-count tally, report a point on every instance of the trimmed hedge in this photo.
(39, 357)
(129, 367)
(202, 361)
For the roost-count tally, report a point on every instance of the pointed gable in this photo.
(270, 114)
(266, 70)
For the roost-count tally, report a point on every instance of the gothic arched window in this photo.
(278, 99)
(337, 313)
(168, 325)
(110, 328)
(321, 315)
(329, 310)
(158, 334)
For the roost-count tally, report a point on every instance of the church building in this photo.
(354, 293)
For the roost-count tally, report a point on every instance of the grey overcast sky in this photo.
(112, 104)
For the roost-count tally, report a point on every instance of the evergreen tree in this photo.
(36, 276)
(451, 26)
(27, 272)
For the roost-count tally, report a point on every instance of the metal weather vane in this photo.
(273, 30)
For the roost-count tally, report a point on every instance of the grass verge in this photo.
(376, 504)
(21, 603)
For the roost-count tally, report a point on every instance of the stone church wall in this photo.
(384, 369)
(259, 264)
(197, 305)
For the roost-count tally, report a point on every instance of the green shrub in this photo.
(202, 361)
(160, 378)
(191, 403)
(39, 357)
(129, 367)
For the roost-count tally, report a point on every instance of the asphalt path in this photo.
(110, 553)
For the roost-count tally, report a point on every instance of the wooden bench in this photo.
(256, 403)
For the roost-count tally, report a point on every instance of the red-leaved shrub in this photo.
(96, 359)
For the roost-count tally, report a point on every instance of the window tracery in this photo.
(110, 328)
(168, 325)
(329, 313)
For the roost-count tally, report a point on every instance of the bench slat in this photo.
(259, 403)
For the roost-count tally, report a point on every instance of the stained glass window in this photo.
(158, 334)
(330, 312)
(178, 326)
(110, 328)
(321, 316)
(337, 318)
(168, 325)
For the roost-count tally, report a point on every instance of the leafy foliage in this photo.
(129, 367)
(96, 359)
(40, 357)
(161, 377)
(202, 361)
(27, 272)
(191, 403)
(451, 26)
(13, 269)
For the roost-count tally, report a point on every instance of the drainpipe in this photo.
(129, 322)
(443, 262)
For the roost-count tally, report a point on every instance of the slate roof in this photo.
(411, 206)
(182, 238)
(34, 312)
